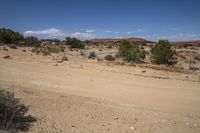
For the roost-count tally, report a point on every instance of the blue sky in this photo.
(87, 19)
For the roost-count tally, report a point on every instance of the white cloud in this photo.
(82, 35)
(49, 32)
(90, 30)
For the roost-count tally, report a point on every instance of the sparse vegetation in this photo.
(92, 55)
(46, 49)
(109, 58)
(12, 113)
(162, 53)
(131, 52)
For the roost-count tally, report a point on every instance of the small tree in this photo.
(131, 52)
(8, 36)
(75, 43)
(163, 53)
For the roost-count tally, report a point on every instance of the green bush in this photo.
(32, 41)
(9, 36)
(131, 52)
(92, 55)
(12, 113)
(109, 58)
(163, 53)
(75, 43)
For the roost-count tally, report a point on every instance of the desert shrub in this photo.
(109, 58)
(182, 56)
(12, 113)
(109, 46)
(82, 53)
(32, 41)
(53, 48)
(92, 55)
(163, 53)
(13, 46)
(75, 43)
(9, 36)
(131, 52)
(99, 59)
(23, 50)
(197, 57)
(4, 48)
(46, 49)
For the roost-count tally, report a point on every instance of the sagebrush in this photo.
(12, 113)
(163, 53)
(131, 52)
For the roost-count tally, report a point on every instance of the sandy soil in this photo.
(85, 96)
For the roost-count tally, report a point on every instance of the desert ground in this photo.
(88, 96)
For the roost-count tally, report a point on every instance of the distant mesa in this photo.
(186, 43)
(114, 41)
(106, 41)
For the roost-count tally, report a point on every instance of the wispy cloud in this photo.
(49, 32)
(134, 31)
(108, 31)
(173, 36)
(125, 32)
(181, 36)
(90, 30)
(82, 35)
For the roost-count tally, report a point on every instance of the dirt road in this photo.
(87, 96)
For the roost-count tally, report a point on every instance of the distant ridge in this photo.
(105, 41)
(114, 40)
(186, 43)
